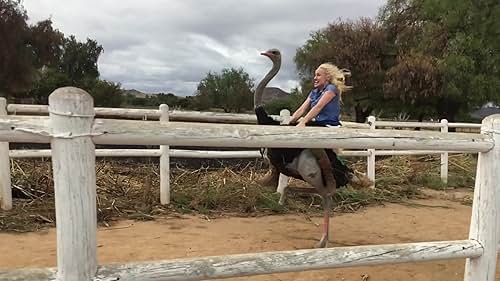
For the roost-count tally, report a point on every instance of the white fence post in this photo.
(285, 116)
(5, 182)
(484, 222)
(283, 180)
(71, 113)
(371, 157)
(444, 156)
(164, 162)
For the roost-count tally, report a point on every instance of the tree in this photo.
(79, 60)
(230, 90)
(24, 50)
(358, 46)
(16, 69)
(292, 102)
(106, 93)
(49, 80)
(445, 53)
(46, 43)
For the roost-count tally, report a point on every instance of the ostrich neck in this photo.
(259, 91)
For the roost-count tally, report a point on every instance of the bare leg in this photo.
(327, 205)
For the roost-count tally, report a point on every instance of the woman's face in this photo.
(320, 78)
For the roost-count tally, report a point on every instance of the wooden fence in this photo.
(73, 132)
(164, 115)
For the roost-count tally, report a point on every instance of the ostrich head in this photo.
(275, 56)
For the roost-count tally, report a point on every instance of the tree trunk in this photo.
(448, 109)
(420, 119)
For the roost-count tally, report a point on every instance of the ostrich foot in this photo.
(282, 199)
(282, 185)
(323, 243)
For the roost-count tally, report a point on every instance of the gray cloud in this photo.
(169, 46)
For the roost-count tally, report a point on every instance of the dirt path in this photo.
(196, 236)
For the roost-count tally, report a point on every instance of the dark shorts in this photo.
(323, 124)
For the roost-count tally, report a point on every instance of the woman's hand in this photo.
(301, 124)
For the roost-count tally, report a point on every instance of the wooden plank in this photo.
(175, 115)
(184, 153)
(28, 274)
(130, 132)
(408, 124)
(485, 213)
(197, 116)
(174, 153)
(73, 163)
(5, 180)
(464, 125)
(164, 161)
(149, 114)
(444, 155)
(411, 152)
(354, 153)
(181, 153)
(370, 160)
(215, 267)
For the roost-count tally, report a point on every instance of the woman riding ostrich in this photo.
(318, 167)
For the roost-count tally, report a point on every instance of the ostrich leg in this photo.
(319, 174)
(326, 190)
(327, 205)
(329, 183)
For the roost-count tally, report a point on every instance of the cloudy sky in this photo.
(170, 45)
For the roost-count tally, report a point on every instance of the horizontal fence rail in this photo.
(242, 265)
(406, 124)
(179, 153)
(184, 153)
(152, 114)
(130, 132)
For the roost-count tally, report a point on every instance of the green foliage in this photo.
(105, 93)
(37, 59)
(79, 60)
(275, 106)
(49, 80)
(445, 53)
(46, 43)
(16, 69)
(154, 101)
(291, 103)
(358, 46)
(230, 90)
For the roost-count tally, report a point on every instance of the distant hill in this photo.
(273, 93)
(485, 111)
(135, 93)
(270, 93)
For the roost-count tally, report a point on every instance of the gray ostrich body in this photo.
(318, 167)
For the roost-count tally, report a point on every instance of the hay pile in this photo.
(130, 189)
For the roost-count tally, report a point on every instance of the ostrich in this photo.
(318, 167)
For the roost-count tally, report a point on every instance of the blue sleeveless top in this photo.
(329, 115)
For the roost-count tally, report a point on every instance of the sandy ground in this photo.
(194, 236)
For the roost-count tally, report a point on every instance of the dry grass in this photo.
(130, 189)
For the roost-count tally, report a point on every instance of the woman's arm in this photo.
(324, 100)
(301, 110)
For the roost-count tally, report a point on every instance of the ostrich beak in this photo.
(266, 54)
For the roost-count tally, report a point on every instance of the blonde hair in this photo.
(337, 77)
